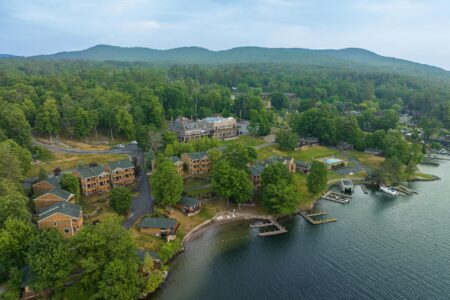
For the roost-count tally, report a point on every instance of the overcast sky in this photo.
(413, 30)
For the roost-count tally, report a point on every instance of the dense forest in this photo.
(128, 99)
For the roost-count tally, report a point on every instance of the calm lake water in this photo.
(380, 248)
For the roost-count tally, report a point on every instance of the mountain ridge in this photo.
(346, 57)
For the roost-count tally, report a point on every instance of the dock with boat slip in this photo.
(271, 223)
(336, 197)
(404, 191)
(309, 217)
(364, 188)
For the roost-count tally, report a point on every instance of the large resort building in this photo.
(219, 127)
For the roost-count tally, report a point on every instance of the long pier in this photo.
(309, 218)
(279, 229)
(336, 197)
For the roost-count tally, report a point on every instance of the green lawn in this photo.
(68, 161)
(367, 159)
(246, 140)
(308, 154)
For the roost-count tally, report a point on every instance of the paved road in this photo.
(143, 203)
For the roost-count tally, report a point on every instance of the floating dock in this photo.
(364, 189)
(309, 217)
(336, 197)
(273, 223)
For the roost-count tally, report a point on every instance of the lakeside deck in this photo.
(404, 191)
(271, 223)
(364, 189)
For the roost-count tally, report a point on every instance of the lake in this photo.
(379, 248)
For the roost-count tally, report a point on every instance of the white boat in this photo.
(389, 190)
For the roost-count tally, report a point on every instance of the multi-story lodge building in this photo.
(196, 162)
(66, 218)
(100, 179)
(257, 169)
(219, 127)
(94, 180)
(122, 172)
(178, 163)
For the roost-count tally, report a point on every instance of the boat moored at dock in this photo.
(388, 190)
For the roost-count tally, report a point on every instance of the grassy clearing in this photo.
(300, 182)
(69, 161)
(367, 159)
(308, 154)
(246, 140)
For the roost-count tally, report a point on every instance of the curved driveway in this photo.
(142, 203)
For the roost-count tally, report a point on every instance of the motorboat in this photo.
(388, 190)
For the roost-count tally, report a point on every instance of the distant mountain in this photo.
(8, 56)
(350, 57)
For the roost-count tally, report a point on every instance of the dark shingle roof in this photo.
(141, 254)
(197, 155)
(61, 193)
(303, 164)
(189, 201)
(122, 164)
(54, 181)
(175, 159)
(257, 169)
(149, 222)
(66, 208)
(90, 172)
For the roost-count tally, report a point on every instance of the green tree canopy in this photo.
(286, 140)
(71, 184)
(50, 260)
(121, 200)
(317, 178)
(15, 238)
(231, 183)
(167, 184)
(119, 280)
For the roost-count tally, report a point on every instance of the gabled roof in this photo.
(121, 164)
(54, 181)
(257, 169)
(58, 193)
(61, 193)
(302, 163)
(189, 201)
(176, 159)
(90, 172)
(149, 222)
(65, 208)
(197, 155)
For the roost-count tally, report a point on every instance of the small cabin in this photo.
(162, 227)
(307, 142)
(374, 151)
(190, 206)
(303, 166)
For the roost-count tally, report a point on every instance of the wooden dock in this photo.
(279, 229)
(309, 217)
(364, 189)
(336, 197)
(405, 191)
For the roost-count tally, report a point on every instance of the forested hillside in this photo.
(353, 58)
(128, 99)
